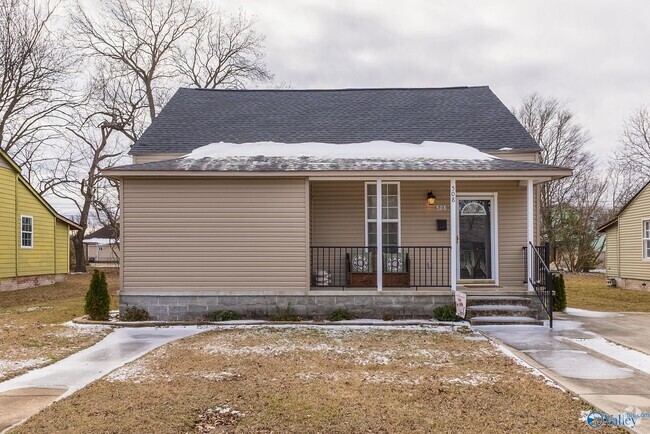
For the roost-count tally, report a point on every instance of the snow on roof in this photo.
(100, 241)
(374, 149)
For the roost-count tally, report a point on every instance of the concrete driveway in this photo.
(602, 357)
(26, 395)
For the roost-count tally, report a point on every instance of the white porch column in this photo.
(453, 209)
(529, 230)
(379, 243)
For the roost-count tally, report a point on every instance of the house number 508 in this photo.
(441, 207)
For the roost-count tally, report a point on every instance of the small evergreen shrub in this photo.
(97, 299)
(286, 314)
(134, 313)
(559, 299)
(225, 315)
(446, 312)
(340, 315)
(387, 316)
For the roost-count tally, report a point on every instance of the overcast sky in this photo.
(591, 53)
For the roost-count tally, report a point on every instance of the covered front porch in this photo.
(436, 235)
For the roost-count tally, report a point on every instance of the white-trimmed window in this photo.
(26, 231)
(646, 239)
(390, 214)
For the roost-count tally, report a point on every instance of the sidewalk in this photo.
(24, 396)
(581, 354)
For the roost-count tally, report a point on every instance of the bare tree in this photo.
(98, 135)
(34, 66)
(141, 36)
(633, 152)
(562, 139)
(576, 225)
(629, 169)
(624, 180)
(222, 51)
(165, 40)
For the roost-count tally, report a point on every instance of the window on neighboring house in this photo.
(390, 214)
(646, 239)
(26, 231)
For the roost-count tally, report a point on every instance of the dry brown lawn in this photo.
(309, 380)
(32, 330)
(590, 291)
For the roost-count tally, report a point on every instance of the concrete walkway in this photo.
(24, 396)
(581, 354)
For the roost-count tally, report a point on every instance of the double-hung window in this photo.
(390, 214)
(26, 232)
(646, 239)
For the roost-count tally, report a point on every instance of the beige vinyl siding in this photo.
(611, 254)
(62, 248)
(337, 213)
(338, 219)
(206, 235)
(138, 159)
(511, 204)
(632, 264)
(40, 258)
(7, 221)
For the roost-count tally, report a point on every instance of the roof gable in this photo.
(5, 157)
(614, 221)
(472, 116)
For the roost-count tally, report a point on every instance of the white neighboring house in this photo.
(102, 249)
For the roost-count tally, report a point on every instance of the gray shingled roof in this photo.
(297, 164)
(471, 116)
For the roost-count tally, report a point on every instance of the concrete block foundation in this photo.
(24, 282)
(193, 307)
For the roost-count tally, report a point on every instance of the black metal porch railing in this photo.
(403, 266)
(541, 277)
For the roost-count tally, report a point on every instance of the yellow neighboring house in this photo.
(627, 243)
(34, 238)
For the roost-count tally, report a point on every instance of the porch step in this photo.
(505, 320)
(510, 310)
(503, 310)
(480, 300)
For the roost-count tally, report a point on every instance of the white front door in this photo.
(477, 242)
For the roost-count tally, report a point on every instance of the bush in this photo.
(133, 313)
(97, 299)
(559, 298)
(340, 315)
(286, 314)
(225, 315)
(446, 313)
(387, 316)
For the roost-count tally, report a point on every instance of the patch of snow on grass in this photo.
(138, 371)
(628, 356)
(364, 150)
(474, 379)
(10, 366)
(218, 376)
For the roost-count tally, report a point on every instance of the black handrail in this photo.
(541, 277)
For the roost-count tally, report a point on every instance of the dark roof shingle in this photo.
(471, 116)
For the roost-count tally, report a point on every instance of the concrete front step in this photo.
(503, 310)
(505, 320)
(498, 300)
